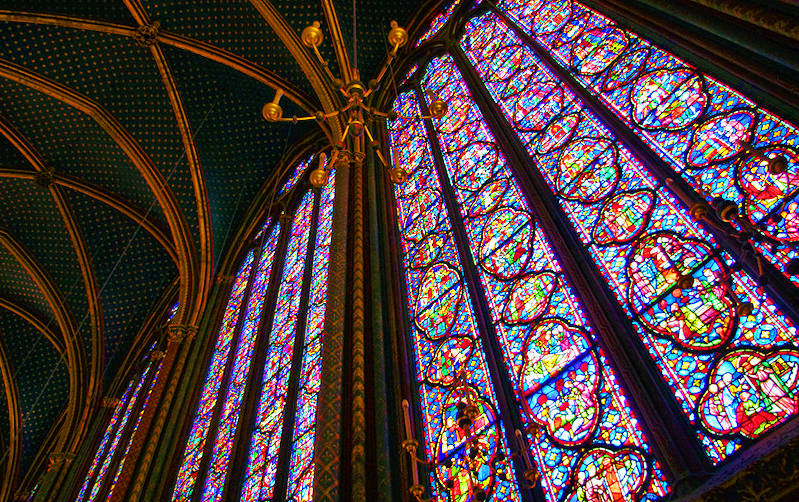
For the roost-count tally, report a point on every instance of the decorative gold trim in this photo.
(339, 47)
(147, 34)
(308, 65)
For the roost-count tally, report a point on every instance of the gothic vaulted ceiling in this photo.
(120, 160)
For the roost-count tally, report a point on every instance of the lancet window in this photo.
(257, 407)
(109, 458)
(543, 257)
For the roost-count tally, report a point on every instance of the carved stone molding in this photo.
(178, 333)
(57, 458)
(224, 279)
(109, 402)
(772, 478)
(44, 179)
(358, 158)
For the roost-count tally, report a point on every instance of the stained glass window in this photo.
(226, 427)
(646, 245)
(265, 444)
(190, 468)
(695, 123)
(119, 432)
(558, 374)
(105, 442)
(300, 478)
(445, 339)
(172, 311)
(438, 22)
(472, 249)
(135, 425)
(272, 306)
(299, 169)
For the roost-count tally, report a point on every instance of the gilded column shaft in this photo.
(358, 456)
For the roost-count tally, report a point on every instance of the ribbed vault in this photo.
(129, 158)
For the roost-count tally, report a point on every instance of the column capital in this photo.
(58, 458)
(224, 279)
(180, 332)
(109, 402)
(285, 217)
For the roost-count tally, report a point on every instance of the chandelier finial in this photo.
(312, 36)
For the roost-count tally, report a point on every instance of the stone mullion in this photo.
(179, 340)
(126, 434)
(114, 431)
(208, 447)
(381, 379)
(85, 457)
(399, 322)
(164, 468)
(73, 482)
(509, 411)
(290, 409)
(664, 422)
(177, 350)
(327, 447)
(239, 454)
(777, 286)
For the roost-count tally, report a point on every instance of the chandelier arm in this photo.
(382, 73)
(344, 135)
(295, 119)
(377, 147)
(323, 62)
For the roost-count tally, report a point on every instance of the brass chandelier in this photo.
(357, 112)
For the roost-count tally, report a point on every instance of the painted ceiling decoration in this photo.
(133, 148)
